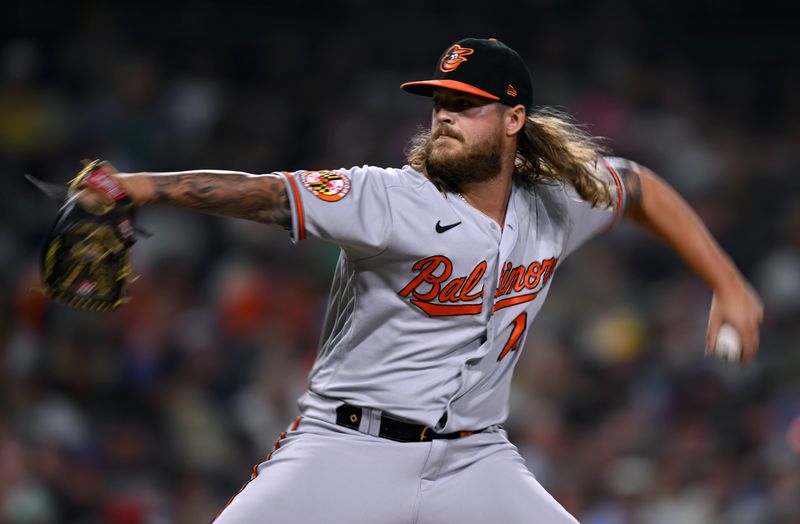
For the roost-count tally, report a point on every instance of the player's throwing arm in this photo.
(659, 209)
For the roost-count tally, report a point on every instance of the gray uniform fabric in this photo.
(326, 474)
(428, 313)
(417, 319)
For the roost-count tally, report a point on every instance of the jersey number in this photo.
(519, 323)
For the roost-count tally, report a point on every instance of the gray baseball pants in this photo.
(322, 473)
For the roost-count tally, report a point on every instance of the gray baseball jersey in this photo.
(429, 308)
(431, 299)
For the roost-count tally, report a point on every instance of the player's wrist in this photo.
(97, 187)
(728, 282)
(721, 274)
(138, 187)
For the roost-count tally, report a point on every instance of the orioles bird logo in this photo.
(453, 58)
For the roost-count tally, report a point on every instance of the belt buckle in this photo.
(422, 435)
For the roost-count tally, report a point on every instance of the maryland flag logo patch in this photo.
(329, 186)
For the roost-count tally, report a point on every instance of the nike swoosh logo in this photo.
(441, 229)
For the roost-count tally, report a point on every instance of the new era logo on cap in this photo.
(482, 67)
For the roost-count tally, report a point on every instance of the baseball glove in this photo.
(85, 261)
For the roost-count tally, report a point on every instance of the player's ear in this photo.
(514, 119)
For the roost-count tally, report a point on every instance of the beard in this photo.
(477, 163)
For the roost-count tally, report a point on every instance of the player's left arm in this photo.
(654, 205)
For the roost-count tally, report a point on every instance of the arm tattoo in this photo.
(262, 198)
(633, 187)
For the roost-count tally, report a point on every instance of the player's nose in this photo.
(442, 115)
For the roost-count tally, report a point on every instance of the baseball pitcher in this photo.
(445, 263)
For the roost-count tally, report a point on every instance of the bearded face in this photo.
(456, 160)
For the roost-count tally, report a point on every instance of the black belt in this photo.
(393, 429)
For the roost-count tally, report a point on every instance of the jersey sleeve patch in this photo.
(330, 186)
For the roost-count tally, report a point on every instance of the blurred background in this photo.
(156, 413)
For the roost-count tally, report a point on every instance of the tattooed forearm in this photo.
(261, 198)
(633, 187)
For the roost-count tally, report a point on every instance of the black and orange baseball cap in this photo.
(483, 67)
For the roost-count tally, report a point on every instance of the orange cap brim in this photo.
(425, 88)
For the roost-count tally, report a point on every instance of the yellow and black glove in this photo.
(86, 257)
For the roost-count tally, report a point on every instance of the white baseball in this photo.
(729, 345)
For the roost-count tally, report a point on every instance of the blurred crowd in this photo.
(156, 413)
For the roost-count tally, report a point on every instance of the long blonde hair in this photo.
(551, 148)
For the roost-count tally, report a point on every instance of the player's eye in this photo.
(454, 105)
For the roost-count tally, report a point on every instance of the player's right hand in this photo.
(739, 305)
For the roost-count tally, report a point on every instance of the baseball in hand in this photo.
(729, 345)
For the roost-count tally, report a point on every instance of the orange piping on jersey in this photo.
(617, 180)
(233, 496)
(447, 310)
(513, 301)
(254, 474)
(301, 226)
